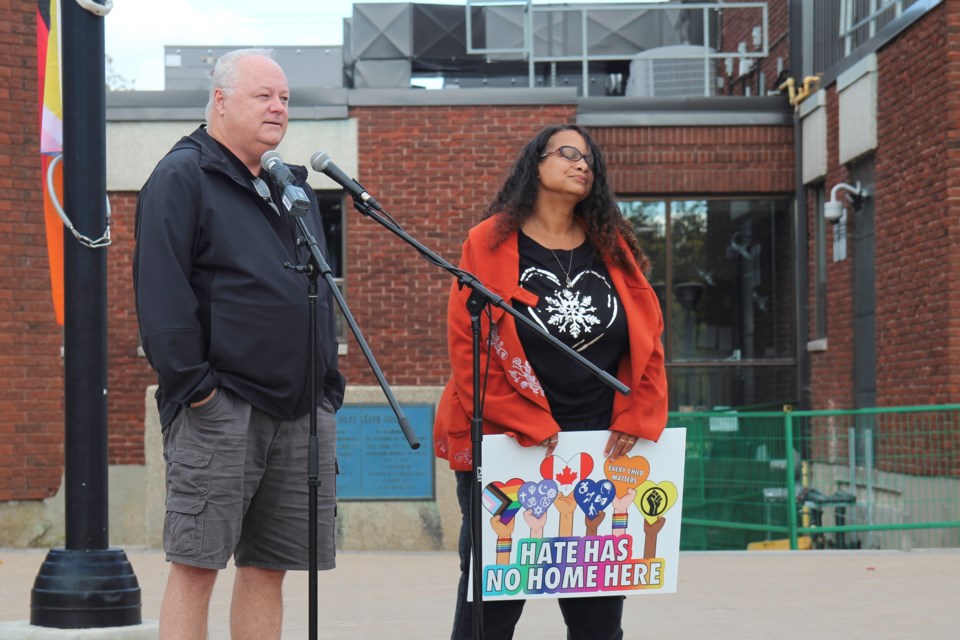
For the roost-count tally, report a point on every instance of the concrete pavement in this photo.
(765, 595)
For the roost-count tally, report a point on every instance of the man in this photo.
(226, 327)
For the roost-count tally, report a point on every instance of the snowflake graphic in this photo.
(522, 372)
(571, 312)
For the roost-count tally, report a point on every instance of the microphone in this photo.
(293, 196)
(321, 161)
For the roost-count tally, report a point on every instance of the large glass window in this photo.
(723, 271)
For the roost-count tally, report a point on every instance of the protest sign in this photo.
(578, 524)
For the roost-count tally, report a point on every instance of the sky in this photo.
(136, 31)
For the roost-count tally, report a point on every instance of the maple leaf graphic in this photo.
(567, 476)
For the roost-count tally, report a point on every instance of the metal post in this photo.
(706, 53)
(584, 62)
(852, 458)
(86, 584)
(791, 497)
(868, 490)
(530, 43)
(85, 276)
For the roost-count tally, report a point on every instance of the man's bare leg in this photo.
(186, 602)
(256, 612)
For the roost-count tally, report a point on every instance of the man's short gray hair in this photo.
(225, 72)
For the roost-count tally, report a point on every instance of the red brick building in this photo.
(31, 393)
(758, 311)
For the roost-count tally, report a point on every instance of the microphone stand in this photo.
(479, 298)
(317, 266)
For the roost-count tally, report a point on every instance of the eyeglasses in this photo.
(572, 154)
(264, 192)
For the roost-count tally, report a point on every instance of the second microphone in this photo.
(321, 161)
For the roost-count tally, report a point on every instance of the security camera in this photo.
(833, 211)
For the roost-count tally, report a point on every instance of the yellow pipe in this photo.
(796, 96)
(791, 86)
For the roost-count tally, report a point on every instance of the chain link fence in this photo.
(886, 478)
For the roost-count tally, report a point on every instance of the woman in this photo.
(554, 245)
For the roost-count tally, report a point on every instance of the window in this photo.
(723, 272)
(331, 213)
(839, 31)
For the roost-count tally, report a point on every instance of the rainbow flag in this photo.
(51, 138)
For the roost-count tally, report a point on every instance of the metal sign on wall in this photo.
(375, 460)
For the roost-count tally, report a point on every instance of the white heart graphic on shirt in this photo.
(567, 311)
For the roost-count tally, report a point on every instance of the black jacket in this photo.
(216, 306)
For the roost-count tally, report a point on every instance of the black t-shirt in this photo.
(586, 315)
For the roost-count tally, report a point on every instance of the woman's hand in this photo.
(551, 444)
(619, 444)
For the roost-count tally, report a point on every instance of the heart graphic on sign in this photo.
(594, 496)
(537, 497)
(567, 473)
(500, 498)
(655, 498)
(626, 472)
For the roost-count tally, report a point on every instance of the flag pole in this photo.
(87, 583)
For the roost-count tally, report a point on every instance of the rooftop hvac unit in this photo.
(674, 72)
(381, 74)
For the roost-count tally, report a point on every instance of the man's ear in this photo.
(218, 99)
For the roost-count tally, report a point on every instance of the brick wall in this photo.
(699, 160)
(831, 379)
(916, 226)
(950, 167)
(736, 26)
(31, 397)
(129, 374)
(915, 246)
(31, 367)
(434, 169)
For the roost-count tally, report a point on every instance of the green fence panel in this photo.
(874, 478)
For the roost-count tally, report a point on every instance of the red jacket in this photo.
(514, 403)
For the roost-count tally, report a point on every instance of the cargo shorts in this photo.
(237, 486)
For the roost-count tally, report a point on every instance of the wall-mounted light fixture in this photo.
(833, 210)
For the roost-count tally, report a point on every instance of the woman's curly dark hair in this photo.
(599, 212)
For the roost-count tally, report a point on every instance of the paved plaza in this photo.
(762, 595)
